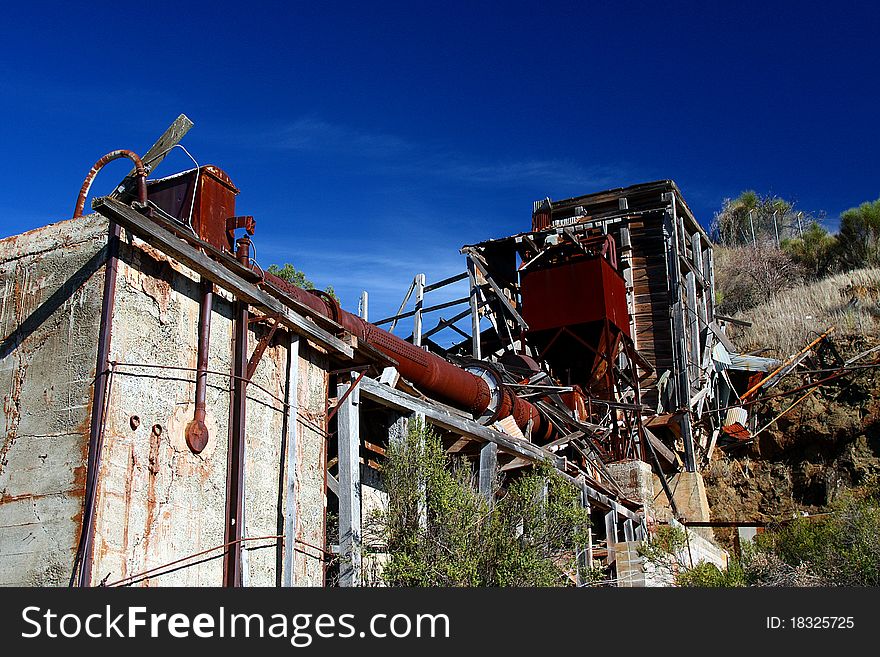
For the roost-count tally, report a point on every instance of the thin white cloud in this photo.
(394, 155)
(315, 135)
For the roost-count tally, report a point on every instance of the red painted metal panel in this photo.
(576, 292)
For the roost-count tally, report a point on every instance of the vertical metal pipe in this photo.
(196, 431)
(83, 575)
(232, 567)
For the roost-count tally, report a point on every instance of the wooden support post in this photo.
(420, 297)
(679, 337)
(398, 430)
(585, 552)
(475, 309)
(693, 329)
(629, 531)
(709, 276)
(699, 266)
(288, 451)
(488, 470)
(611, 534)
(626, 266)
(364, 306)
(348, 434)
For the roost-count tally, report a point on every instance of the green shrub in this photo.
(439, 531)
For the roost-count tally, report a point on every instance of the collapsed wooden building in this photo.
(208, 415)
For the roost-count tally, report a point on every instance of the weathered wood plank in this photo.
(152, 158)
(447, 418)
(348, 437)
(488, 470)
(290, 447)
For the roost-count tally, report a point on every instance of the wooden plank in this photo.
(398, 430)
(660, 448)
(680, 347)
(476, 349)
(420, 299)
(348, 437)
(459, 445)
(515, 464)
(611, 535)
(290, 446)
(488, 470)
(502, 298)
(446, 281)
(447, 418)
(152, 158)
(166, 242)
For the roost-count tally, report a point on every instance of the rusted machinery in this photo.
(204, 200)
(567, 359)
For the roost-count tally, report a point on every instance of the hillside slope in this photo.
(830, 441)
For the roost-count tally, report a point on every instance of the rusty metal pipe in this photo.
(433, 374)
(140, 170)
(235, 462)
(82, 570)
(197, 431)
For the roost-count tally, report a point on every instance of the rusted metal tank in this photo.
(203, 198)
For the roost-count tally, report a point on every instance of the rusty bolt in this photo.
(157, 429)
(135, 422)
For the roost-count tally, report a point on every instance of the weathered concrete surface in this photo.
(689, 493)
(636, 481)
(311, 457)
(51, 280)
(156, 501)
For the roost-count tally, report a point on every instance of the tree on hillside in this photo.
(859, 235)
(756, 220)
(816, 250)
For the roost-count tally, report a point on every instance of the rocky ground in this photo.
(826, 445)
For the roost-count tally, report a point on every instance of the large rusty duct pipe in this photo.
(478, 391)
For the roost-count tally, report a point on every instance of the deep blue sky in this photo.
(371, 141)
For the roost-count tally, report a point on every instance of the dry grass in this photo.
(850, 302)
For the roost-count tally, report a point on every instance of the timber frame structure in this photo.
(368, 387)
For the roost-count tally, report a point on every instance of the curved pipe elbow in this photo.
(140, 171)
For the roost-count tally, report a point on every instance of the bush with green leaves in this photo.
(859, 235)
(438, 530)
(817, 251)
(841, 549)
(293, 275)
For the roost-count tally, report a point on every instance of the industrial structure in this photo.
(210, 414)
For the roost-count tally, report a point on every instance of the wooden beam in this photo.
(412, 286)
(152, 234)
(451, 420)
(290, 447)
(488, 470)
(611, 535)
(348, 437)
(680, 346)
(152, 158)
(476, 350)
(446, 281)
(420, 299)
(475, 258)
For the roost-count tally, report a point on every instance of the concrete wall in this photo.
(51, 281)
(156, 501)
